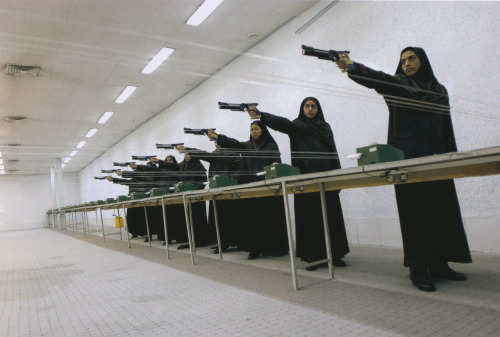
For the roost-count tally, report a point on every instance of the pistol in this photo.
(99, 178)
(125, 164)
(200, 132)
(235, 106)
(168, 146)
(108, 171)
(323, 54)
(143, 157)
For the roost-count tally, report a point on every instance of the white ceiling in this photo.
(90, 50)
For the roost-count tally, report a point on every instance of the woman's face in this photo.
(187, 157)
(169, 160)
(255, 131)
(410, 62)
(310, 109)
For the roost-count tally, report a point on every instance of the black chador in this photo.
(313, 150)
(420, 125)
(229, 212)
(263, 228)
(166, 175)
(192, 171)
(136, 219)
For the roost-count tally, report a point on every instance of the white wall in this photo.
(461, 41)
(24, 200)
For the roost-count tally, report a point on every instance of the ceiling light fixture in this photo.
(0, 154)
(16, 119)
(62, 165)
(2, 167)
(90, 133)
(81, 144)
(203, 12)
(1, 161)
(162, 55)
(66, 160)
(2, 172)
(104, 118)
(73, 153)
(125, 94)
(14, 69)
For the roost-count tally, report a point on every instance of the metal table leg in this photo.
(102, 224)
(290, 238)
(147, 225)
(165, 226)
(326, 229)
(187, 211)
(216, 216)
(126, 224)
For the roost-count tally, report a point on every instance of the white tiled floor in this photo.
(55, 283)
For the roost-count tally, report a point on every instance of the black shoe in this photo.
(146, 240)
(423, 283)
(254, 255)
(134, 236)
(337, 262)
(184, 246)
(164, 243)
(447, 274)
(216, 250)
(311, 268)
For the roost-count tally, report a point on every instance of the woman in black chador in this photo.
(166, 175)
(224, 163)
(263, 227)
(420, 125)
(192, 171)
(313, 150)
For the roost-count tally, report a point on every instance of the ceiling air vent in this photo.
(16, 119)
(14, 69)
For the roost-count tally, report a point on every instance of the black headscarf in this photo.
(194, 164)
(264, 139)
(316, 127)
(424, 87)
(430, 89)
(164, 164)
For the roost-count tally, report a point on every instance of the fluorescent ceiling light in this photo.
(62, 165)
(81, 144)
(104, 118)
(90, 133)
(203, 12)
(1, 161)
(125, 94)
(0, 154)
(66, 160)
(2, 172)
(73, 153)
(162, 55)
(2, 167)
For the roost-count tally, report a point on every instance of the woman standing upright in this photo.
(224, 163)
(313, 150)
(192, 171)
(263, 229)
(420, 125)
